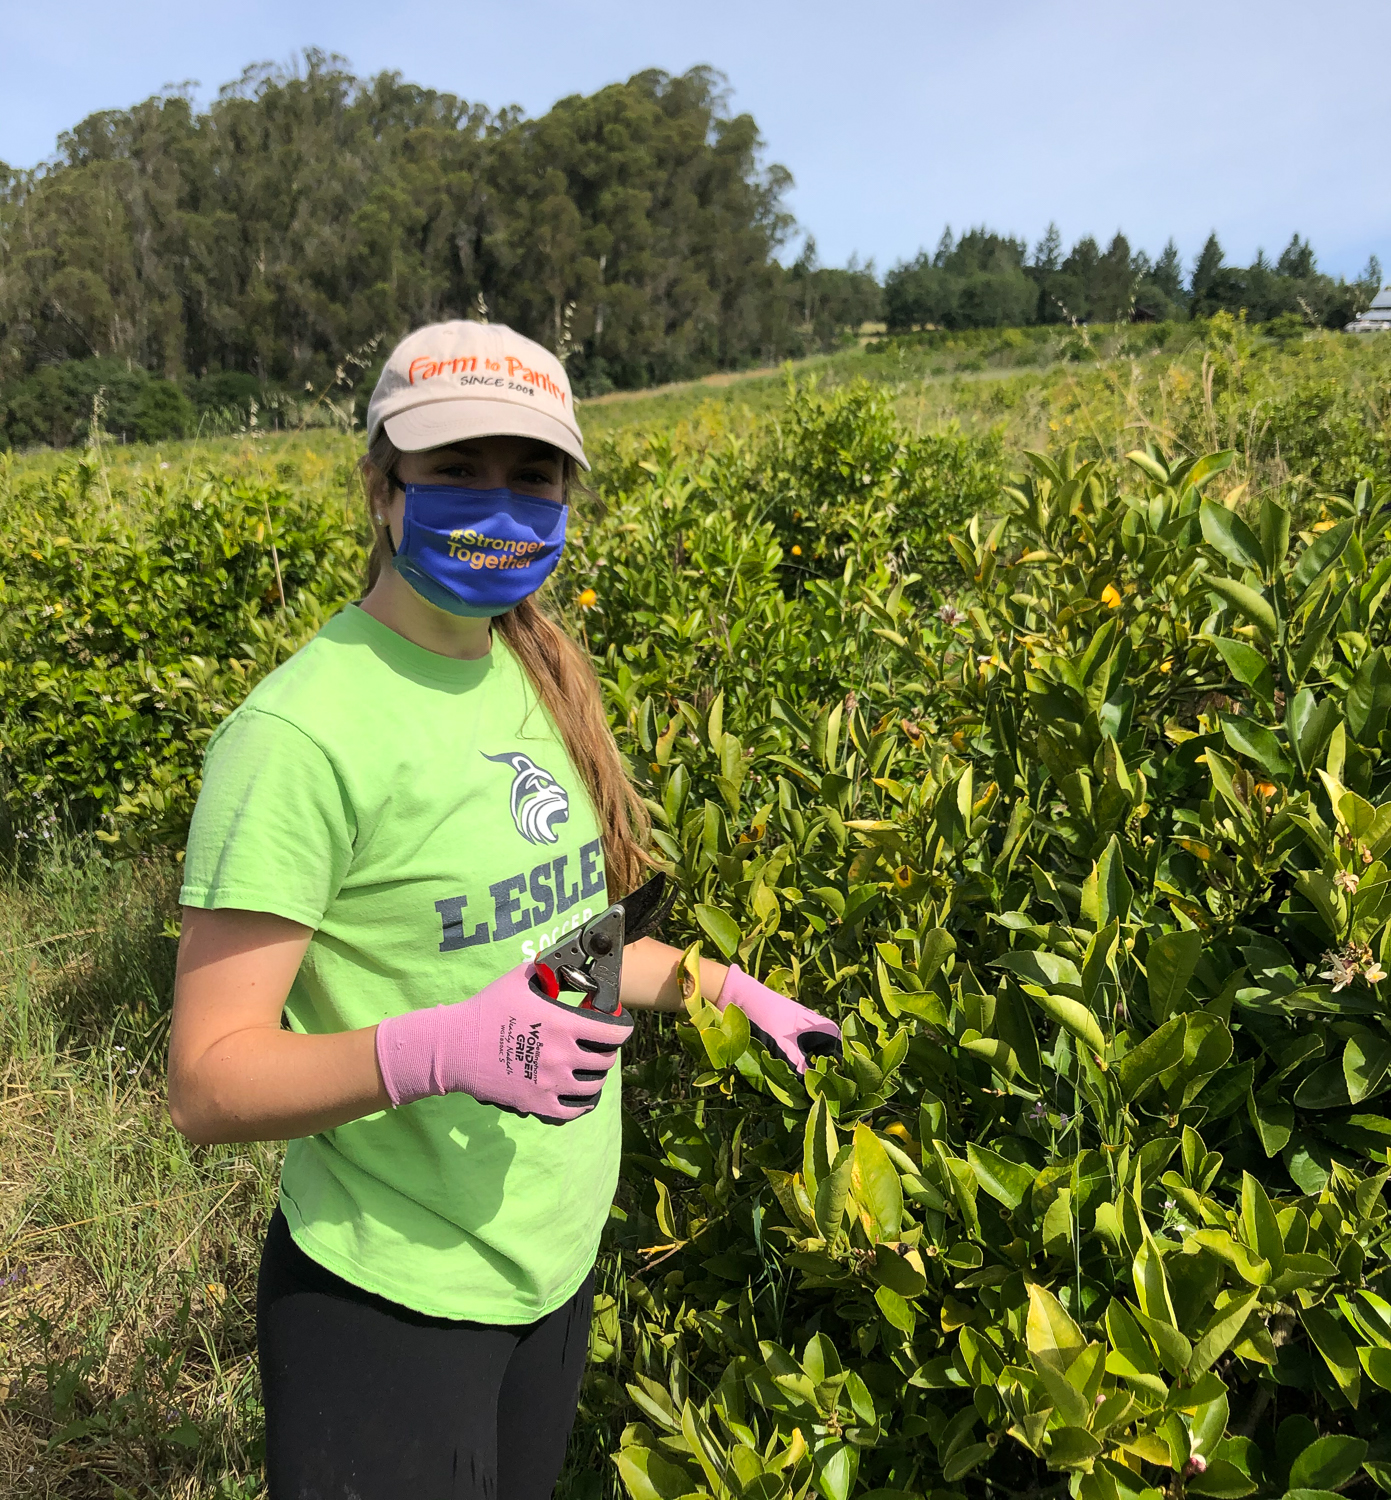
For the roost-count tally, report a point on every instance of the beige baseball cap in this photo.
(462, 379)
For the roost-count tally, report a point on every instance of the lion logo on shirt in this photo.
(538, 799)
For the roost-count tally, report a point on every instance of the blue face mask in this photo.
(478, 552)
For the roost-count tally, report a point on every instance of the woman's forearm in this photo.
(651, 976)
(265, 1084)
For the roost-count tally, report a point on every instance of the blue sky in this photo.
(1257, 119)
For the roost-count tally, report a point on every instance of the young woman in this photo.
(391, 827)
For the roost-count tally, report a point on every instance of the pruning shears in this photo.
(589, 960)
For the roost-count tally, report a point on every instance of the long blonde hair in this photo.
(564, 681)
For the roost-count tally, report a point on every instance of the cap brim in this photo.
(433, 424)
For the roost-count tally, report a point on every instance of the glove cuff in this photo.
(736, 984)
(406, 1055)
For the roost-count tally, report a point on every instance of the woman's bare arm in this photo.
(234, 1075)
(650, 976)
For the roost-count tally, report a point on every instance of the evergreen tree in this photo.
(1297, 259)
(1167, 274)
(1113, 289)
(1206, 267)
(1048, 251)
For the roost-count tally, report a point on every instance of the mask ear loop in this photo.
(394, 480)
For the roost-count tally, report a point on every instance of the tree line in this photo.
(306, 213)
(172, 262)
(985, 279)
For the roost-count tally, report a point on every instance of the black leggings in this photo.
(367, 1400)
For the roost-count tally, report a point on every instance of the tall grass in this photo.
(127, 1257)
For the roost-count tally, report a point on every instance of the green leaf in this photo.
(1365, 1061)
(1275, 534)
(835, 1471)
(1046, 970)
(646, 1475)
(1151, 1284)
(832, 1193)
(1330, 1338)
(1169, 966)
(1159, 1052)
(721, 927)
(1369, 699)
(895, 1309)
(1207, 1044)
(1247, 665)
(894, 1271)
(1149, 465)
(1101, 950)
(1050, 1333)
(1073, 1016)
(1004, 1180)
(1222, 1480)
(1256, 607)
(1113, 888)
(1323, 550)
(1327, 1463)
(1230, 535)
(1377, 1364)
(1209, 1426)
(876, 1183)
(1072, 1448)
(936, 947)
(819, 1145)
(1128, 1344)
(962, 1460)
(1204, 468)
(1220, 1334)
(1256, 743)
(1259, 1222)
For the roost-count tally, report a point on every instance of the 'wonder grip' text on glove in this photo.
(507, 1046)
(782, 1025)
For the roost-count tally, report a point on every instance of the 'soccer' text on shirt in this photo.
(551, 885)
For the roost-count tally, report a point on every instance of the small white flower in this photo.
(1345, 880)
(1339, 974)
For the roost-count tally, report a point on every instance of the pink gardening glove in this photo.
(507, 1046)
(783, 1026)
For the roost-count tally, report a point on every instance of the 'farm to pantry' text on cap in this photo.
(449, 381)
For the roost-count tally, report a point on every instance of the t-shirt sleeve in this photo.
(273, 829)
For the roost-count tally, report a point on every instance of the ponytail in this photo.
(565, 682)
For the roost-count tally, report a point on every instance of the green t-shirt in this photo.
(422, 816)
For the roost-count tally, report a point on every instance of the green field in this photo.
(1020, 809)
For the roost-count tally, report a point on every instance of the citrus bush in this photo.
(1091, 863)
(128, 631)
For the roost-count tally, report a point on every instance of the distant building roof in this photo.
(1377, 318)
